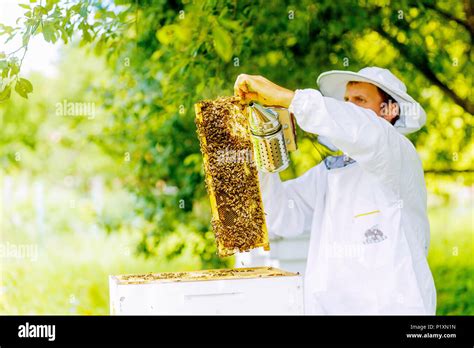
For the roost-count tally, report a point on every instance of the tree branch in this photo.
(448, 171)
(469, 13)
(422, 64)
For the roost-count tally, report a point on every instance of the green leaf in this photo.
(25, 6)
(64, 35)
(5, 94)
(86, 36)
(51, 3)
(41, 10)
(83, 12)
(23, 87)
(222, 43)
(15, 69)
(167, 34)
(230, 25)
(5, 29)
(49, 33)
(5, 72)
(76, 8)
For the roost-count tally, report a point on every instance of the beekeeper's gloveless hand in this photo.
(259, 89)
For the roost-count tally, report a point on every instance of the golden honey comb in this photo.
(211, 274)
(238, 218)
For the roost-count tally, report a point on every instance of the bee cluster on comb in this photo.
(238, 219)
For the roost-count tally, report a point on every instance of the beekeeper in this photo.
(366, 209)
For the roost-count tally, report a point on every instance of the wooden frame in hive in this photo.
(238, 218)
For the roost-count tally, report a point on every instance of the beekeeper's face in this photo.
(368, 96)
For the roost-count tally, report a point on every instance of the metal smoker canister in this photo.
(271, 154)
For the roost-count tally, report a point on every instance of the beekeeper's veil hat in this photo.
(412, 116)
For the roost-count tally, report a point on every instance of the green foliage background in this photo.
(157, 58)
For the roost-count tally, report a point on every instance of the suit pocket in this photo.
(377, 232)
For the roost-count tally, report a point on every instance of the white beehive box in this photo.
(259, 290)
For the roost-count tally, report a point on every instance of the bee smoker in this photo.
(273, 134)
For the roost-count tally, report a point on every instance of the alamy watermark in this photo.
(405, 108)
(19, 251)
(28, 330)
(235, 156)
(76, 109)
(343, 251)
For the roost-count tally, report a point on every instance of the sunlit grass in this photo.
(72, 277)
(451, 259)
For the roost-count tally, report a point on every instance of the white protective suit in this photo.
(368, 219)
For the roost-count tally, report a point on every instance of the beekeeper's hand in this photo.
(259, 89)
